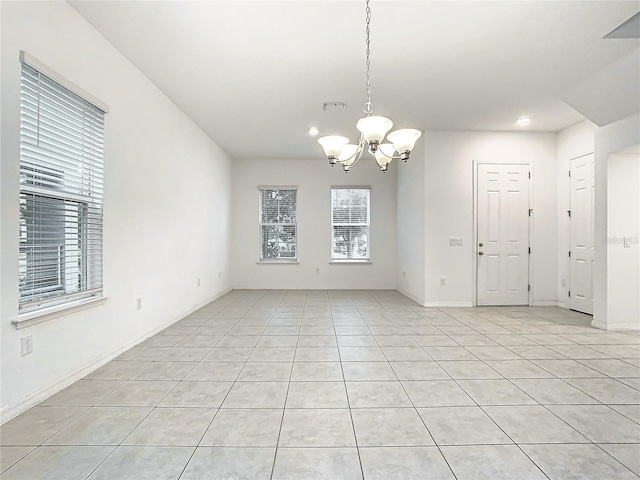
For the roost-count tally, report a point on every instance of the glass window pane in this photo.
(351, 242)
(278, 212)
(351, 229)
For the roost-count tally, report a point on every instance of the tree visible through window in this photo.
(350, 223)
(277, 224)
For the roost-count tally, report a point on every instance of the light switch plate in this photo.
(455, 242)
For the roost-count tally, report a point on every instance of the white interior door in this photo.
(582, 236)
(503, 234)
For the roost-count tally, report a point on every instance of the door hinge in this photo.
(529, 175)
(569, 292)
(569, 213)
(530, 211)
(528, 288)
(529, 250)
(569, 253)
(569, 173)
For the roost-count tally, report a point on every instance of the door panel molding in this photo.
(581, 233)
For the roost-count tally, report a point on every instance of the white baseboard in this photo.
(545, 303)
(449, 304)
(616, 327)
(11, 411)
(563, 305)
(412, 297)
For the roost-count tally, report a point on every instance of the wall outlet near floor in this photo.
(564, 282)
(198, 282)
(139, 303)
(404, 274)
(443, 282)
(317, 270)
(27, 344)
(219, 274)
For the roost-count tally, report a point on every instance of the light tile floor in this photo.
(343, 385)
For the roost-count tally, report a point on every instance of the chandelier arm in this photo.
(361, 145)
(357, 152)
(392, 157)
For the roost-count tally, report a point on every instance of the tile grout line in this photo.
(344, 382)
(286, 397)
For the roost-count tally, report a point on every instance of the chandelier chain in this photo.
(368, 106)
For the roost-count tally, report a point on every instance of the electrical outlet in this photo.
(317, 270)
(404, 274)
(198, 283)
(564, 282)
(27, 344)
(455, 242)
(443, 282)
(139, 303)
(219, 274)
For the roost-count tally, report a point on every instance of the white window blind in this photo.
(277, 224)
(350, 223)
(61, 191)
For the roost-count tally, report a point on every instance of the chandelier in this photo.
(372, 129)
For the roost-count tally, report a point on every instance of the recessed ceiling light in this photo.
(523, 121)
(313, 131)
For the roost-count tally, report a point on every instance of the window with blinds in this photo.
(350, 223)
(61, 190)
(277, 224)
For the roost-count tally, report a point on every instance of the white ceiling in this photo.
(254, 75)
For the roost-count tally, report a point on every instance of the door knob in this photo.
(481, 245)
(480, 253)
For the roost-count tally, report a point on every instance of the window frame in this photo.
(341, 260)
(261, 225)
(42, 189)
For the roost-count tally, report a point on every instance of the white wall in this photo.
(410, 275)
(449, 158)
(609, 139)
(166, 207)
(573, 142)
(623, 214)
(314, 179)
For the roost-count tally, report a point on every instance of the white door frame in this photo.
(474, 263)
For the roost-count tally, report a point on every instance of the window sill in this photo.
(40, 316)
(277, 262)
(350, 262)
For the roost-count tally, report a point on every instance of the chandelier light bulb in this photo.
(374, 128)
(333, 145)
(384, 155)
(404, 140)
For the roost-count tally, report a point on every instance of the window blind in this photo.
(350, 223)
(278, 229)
(61, 192)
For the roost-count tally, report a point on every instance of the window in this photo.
(350, 224)
(61, 164)
(277, 224)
